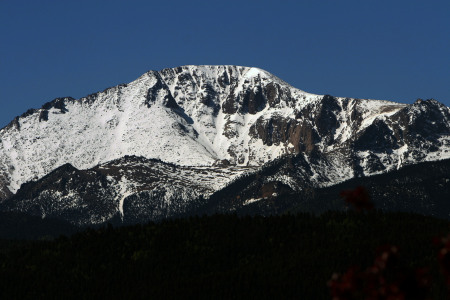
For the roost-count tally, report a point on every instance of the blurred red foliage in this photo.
(386, 279)
(444, 257)
(359, 198)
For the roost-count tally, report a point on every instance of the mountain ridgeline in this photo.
(168, 143)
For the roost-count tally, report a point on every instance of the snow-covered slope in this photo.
(140, 118)
(220, 115)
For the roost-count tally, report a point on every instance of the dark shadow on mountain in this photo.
(16, 225)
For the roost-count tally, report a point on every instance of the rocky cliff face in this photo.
(195, 116)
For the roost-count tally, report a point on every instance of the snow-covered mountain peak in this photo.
(216, 115)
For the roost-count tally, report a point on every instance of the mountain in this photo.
(202, 121)
(422, 188)
(128, 189)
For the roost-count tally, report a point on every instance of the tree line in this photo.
(219, 256)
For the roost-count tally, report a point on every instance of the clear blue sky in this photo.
(394, 50)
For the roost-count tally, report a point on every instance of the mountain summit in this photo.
(222, 117)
